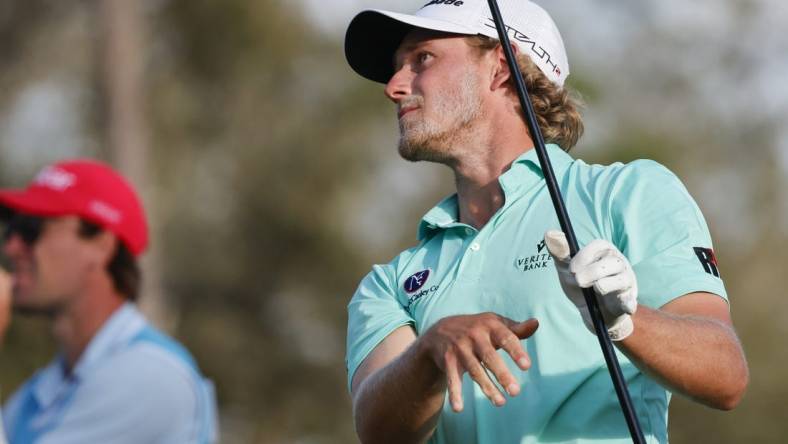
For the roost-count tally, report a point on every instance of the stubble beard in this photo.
(35, 301)
(426, 139)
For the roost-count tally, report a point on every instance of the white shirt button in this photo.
(469, 231)
(475, 246)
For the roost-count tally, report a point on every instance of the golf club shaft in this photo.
(566, 226)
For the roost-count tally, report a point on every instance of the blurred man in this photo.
(443, 339)
(73, 237)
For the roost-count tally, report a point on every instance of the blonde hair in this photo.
(557, 108)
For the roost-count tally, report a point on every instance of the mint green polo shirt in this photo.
(567, 394)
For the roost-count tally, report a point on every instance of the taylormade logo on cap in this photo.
(444, 2)
(373, 35)
(55, 178)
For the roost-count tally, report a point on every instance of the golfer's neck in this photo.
(477, 170)
(477, 204)
(478, 191)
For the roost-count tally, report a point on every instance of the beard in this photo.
(432, 140)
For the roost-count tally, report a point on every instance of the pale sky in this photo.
(607, 39)
(612, 41)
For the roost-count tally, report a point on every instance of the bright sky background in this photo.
(607, 38)
(610, 39)
(598, 31)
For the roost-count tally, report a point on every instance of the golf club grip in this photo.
(566, 226)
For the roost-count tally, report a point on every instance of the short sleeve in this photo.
(661, 230)
(373, 313)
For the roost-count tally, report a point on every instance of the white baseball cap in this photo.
(374, 35)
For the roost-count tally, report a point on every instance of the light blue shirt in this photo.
(132, 385)
(2, 432)
(505, 268)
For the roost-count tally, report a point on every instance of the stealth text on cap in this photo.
(444, 2)
(521, 37)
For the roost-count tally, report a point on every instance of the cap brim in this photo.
(28, 202)
(373, 37)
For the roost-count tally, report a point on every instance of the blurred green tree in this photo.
(269, 158)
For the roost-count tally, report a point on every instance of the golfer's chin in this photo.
(417, 150)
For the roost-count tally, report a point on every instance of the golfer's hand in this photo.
(460, 344)
(600, 265)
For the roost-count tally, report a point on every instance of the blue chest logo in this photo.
(416, 281)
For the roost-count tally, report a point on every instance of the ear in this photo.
(103, 247)
(502, 74)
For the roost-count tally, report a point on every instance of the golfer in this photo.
(479, 333)
(73, 237)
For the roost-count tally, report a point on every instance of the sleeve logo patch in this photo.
(708, 260)
(416, 281)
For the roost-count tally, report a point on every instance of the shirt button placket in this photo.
(471, 263)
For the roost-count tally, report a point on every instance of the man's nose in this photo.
(399, 85)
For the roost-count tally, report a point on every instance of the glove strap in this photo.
(621, 329)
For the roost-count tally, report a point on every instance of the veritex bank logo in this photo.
(541, 259)
(415, 288)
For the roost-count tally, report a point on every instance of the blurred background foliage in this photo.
(273, 183)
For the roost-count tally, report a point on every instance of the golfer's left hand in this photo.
(599, 265)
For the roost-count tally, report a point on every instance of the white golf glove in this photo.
(600, 265)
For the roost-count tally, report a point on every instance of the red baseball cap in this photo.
(88, 189)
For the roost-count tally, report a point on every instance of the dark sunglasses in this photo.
(27, 227)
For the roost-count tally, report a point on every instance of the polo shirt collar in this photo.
(441, 216)
(524, 179)
(522, 176)
(115, 334)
